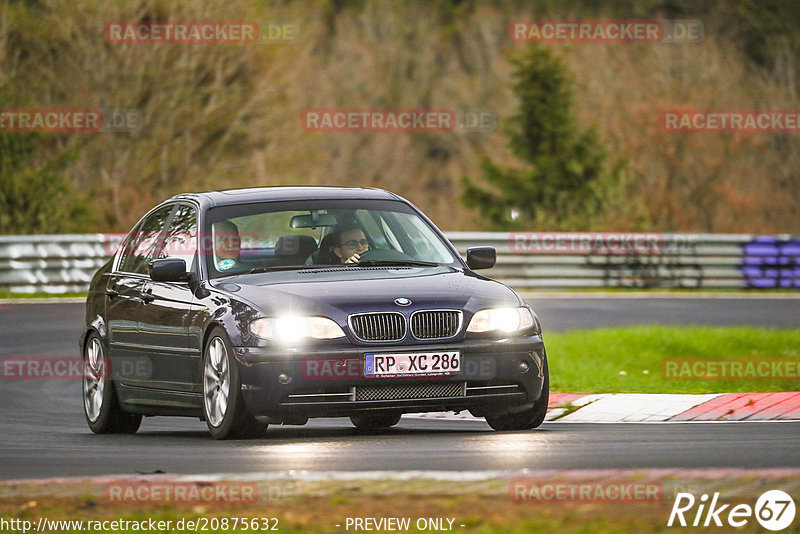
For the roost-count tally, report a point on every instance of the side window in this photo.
(181, 239)
(126, 250)
(139, 247)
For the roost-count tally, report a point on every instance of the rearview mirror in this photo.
(313, 220)
(168, 270)
(481, 257)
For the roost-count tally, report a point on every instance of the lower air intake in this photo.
(415, 391)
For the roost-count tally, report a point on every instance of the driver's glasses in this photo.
(363, 243)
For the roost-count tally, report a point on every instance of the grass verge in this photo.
(483, 506)
(633, 359)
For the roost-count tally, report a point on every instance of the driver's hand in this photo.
(353, 259)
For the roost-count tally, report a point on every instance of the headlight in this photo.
(503, 320)
(292, 329)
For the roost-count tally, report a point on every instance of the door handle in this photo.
(111, 292)
(147, 296)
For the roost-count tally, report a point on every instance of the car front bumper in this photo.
(329, 382)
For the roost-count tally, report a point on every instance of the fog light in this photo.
(284, 379)
(524, 367)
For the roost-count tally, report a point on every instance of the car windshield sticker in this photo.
(224, 265)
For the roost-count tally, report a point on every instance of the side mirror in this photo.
(168, 270)
(481, 257)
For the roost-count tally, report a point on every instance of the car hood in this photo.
(341, 291)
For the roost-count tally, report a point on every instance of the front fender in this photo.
(233, 315)
(97, 324)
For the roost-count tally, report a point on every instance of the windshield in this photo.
(279, 235)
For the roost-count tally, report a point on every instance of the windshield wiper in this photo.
(389, 263)
(291, 268)
(365, 263)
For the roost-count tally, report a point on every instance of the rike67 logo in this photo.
(774, 510)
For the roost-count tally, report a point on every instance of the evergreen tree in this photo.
(555, 186)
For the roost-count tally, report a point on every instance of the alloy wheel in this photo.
(94, 380)
(216, 382)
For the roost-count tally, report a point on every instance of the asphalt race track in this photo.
(43, 432)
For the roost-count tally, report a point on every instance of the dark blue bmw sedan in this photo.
(272, 305)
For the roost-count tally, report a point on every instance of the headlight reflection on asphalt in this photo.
(513, 445)
(311, 453)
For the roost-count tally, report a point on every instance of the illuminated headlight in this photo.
(290, 329)
(503, 320)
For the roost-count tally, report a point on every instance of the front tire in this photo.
(528, 419)
(100, 404)
(223, 404)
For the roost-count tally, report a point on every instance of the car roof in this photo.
(279, 193)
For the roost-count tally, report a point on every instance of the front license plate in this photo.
(444, 363)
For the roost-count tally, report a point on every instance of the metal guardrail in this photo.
(65, 263)
(54, 264)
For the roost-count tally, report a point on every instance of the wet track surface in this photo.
(43, 433)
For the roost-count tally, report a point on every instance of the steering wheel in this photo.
(383, 254)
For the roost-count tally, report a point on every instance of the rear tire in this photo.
(224, 409)
(530, 418)
(100, 404)
(367, 422)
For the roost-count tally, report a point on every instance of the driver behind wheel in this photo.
(351, 244)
